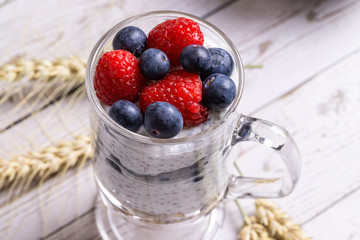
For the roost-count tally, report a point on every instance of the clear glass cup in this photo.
(178, 184)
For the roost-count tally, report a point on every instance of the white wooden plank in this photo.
(246, 20)
(24, 106)
(43, 210)
(63, 120)
(291, 50)
(63, 28)
(344, 217)
(280, 58)
(82, 228)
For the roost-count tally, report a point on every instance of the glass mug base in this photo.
(113, 225)
(159, 219)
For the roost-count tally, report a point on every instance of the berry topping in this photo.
(162, 120)
(126, 114)
(195, 58)
(173, 35)
(218, 91)
(221, 62)
(132, 39)
(183, 90)
(154, 64)
(118, 77)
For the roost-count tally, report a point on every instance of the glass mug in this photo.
(153, 184)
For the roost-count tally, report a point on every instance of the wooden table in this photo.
(308, 81)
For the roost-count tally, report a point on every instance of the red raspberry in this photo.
(183, 90)
(118, 77)
(173, 35)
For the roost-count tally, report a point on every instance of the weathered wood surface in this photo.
(309, 83)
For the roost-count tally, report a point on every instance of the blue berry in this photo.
(154, 64)
(162, 120)
(130, 38)
(218, 91)
(195, 58)
(126, 114)
(221, 62)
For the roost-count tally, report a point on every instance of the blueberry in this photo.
(126, 114)
(195, 58)
(154, 64)
(218, 91)
(221, 62)
(163, 120)
(130, 38)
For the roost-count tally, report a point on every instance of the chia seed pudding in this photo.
(162, 181)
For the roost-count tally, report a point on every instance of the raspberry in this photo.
(183, 90)
(173, 35)
(118, 77)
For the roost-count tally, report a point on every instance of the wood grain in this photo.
(296, 48)
(46, 208)
(343, 216)
(308, 83)
(64, 28)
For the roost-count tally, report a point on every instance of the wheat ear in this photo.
(252, 230)
(278, 223)
(63, 69)
(43, 163)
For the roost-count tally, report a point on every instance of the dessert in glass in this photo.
(174, 188)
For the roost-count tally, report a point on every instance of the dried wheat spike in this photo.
(63, 69)
(49, 160)
(278, 223)
(252, 230)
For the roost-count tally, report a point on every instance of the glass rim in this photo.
(146, 139)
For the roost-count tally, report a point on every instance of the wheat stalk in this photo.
(252, 230)
(31, 79)
(63, 69)
(41, 164)
(277, 222)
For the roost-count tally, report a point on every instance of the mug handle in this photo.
(277, 138)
